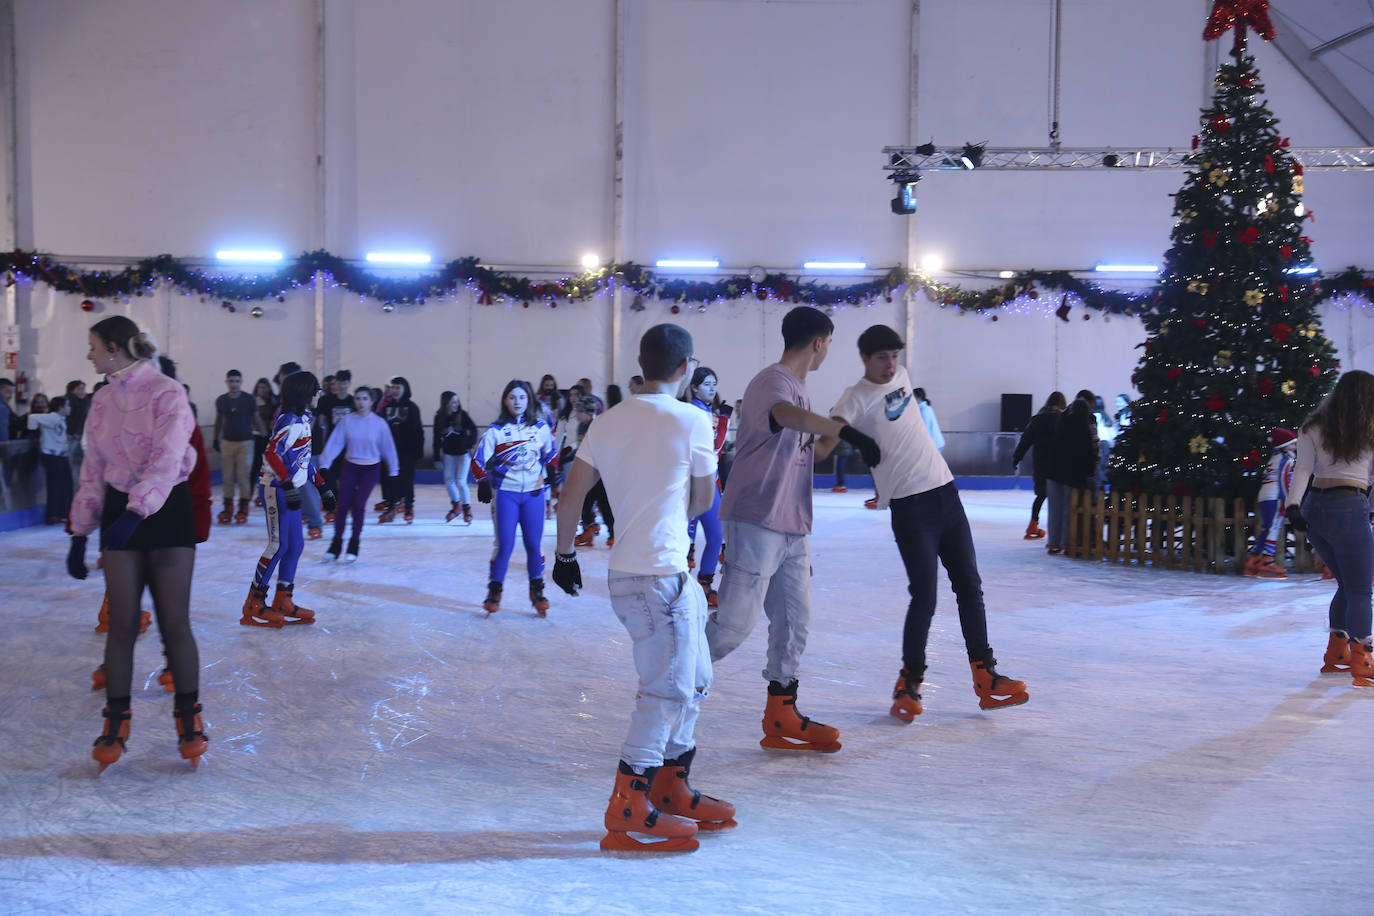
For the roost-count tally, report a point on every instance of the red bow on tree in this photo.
(1237, 14)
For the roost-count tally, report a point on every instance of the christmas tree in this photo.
(1235, 347)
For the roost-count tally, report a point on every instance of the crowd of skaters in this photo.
(144, 487)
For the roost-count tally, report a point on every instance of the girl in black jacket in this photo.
(454, 436)
(1039, 435)
(1073, 465)
(408, 431)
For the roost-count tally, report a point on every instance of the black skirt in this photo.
(174, 525)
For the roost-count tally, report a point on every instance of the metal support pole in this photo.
(618, 239)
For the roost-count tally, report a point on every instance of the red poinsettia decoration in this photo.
(1286, 250)
(1220, 124)
(1283, 293)
(1249, 234)
(1282, 332)
(1316, 372)
(1195, 141)
(1265, 385)
(1214, 402)
(1269, 163)
(1251, 459)
(1163, 417)
(1174, 373)
(1200, 322)
(1209, 238)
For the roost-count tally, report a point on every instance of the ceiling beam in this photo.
(1327, 84)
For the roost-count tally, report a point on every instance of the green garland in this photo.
(487, 285)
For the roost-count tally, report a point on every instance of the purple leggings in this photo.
(508, 508)
(356, 482)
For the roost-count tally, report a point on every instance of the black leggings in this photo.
(597, 495)
(166, 571)
(1040, 492)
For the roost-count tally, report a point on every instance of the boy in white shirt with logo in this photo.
(928, 522)
(656, 456)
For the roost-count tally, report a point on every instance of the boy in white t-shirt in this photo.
(656, 456)
(928, 522)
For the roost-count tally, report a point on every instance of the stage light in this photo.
(971, 156)
(397, 257)
(932, 263)
(591, 261)
(835, 265)
(1111, 160)
(671, 263)
(926, 149)
(1006, 274)
(1127, 268)
(245, 256)
(905, 201)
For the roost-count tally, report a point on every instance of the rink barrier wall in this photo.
(1176, 532)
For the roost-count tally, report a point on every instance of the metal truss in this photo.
(907, 159)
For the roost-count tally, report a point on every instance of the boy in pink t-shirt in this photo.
(766, 514)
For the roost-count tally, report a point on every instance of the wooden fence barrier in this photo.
(1173, 532)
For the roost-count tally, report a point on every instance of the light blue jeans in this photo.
(1058, 517)
(311, 506)
(766, 571)
(666, 618)
(456, 478)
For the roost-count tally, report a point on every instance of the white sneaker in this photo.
(330, 556)
(350, 558)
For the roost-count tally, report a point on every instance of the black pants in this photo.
(57, 482)
(1041, 491)
(932, 526)
(597, 496)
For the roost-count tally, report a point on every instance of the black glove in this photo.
(567, 575)
(868, 449)
(328, 499)
(292, 497)
(76, 557)
(550, 476)
(1295, 519)
(483, 491)
(725, 410)
(119, 532)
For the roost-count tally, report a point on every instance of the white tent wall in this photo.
(752, 133)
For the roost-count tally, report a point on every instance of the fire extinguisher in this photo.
(21, 388)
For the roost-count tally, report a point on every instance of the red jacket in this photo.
(199, 481)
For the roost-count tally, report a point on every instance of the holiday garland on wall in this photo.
(489, 286)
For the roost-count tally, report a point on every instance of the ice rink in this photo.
(1179, 753)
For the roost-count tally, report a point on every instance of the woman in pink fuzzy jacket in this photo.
(134, 490)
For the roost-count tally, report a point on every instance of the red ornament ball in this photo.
(87, 305)
(675, 309)
(1034, 294)
(1200, 322)
(762, 294)
(526, 305)
(553, 303)
(994, 317)
(1087, 317)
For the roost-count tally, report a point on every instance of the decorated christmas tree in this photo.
(1235, 346)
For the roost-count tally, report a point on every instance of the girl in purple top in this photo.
(133, 488)
(365, 440)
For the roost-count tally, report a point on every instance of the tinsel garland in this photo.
(487, 285)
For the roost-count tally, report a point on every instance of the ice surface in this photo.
(406, 754)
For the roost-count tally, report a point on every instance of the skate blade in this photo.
(1361, 682)
(250, 622)
(994, 703)
(731, 824)
(618, 842)
(304, 621)
(1334, 672)
(906, 715)
(783, 744)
